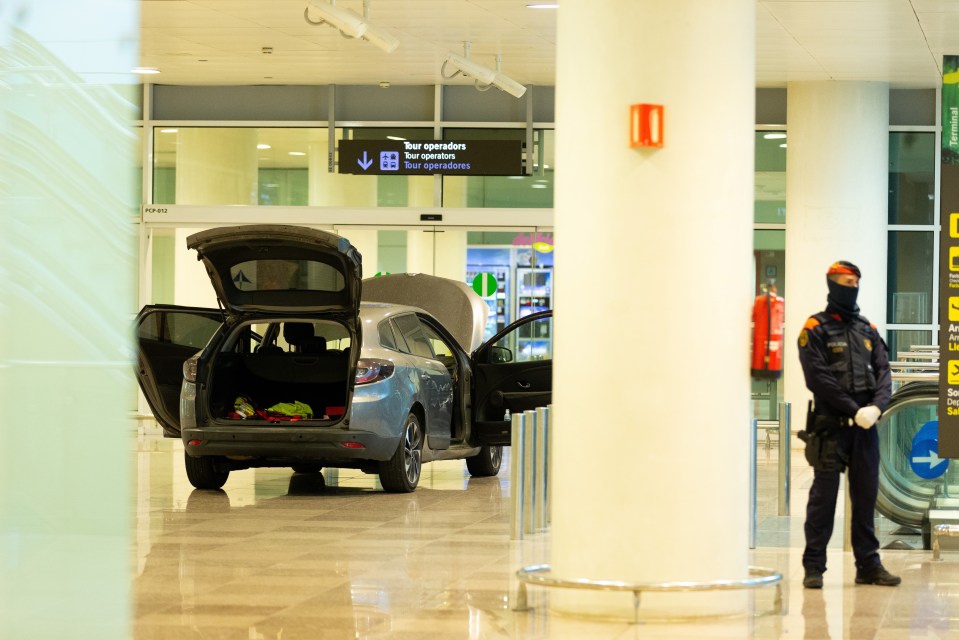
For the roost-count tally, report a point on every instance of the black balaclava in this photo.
(842, 299)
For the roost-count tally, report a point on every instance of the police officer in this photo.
(846, 366)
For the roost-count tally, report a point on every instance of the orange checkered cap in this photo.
(843, 267)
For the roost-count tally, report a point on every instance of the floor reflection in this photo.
(278, 555)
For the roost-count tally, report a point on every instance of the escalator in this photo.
(905, 497)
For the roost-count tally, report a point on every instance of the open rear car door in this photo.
(512, 372)
(167, 336)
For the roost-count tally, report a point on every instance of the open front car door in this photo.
(167, 336)
(513, 372)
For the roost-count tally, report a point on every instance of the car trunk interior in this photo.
(295, 367)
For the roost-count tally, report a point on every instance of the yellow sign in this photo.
(953, 377)
(953, 258)
(954, 225)
(953, 308)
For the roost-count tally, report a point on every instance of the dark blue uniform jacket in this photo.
(846, 364)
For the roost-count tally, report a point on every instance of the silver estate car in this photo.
(295, 371)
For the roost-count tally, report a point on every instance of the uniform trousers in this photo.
(859, 449)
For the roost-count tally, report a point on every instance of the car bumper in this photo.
(295, 443)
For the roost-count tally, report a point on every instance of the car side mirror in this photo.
(499, 355)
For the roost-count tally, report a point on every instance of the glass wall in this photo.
(769, 245)
(534, 190)
(911, 279)
(276, 166)
(770, 185)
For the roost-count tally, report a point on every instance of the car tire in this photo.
(204, 472)
(307, 468)
(485, 463)
(401, 473)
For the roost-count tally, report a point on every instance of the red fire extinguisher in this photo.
(769, 312)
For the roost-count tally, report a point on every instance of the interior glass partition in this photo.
(911, 279)
(770, 181)
(289, 166)
(529, 191)
(769, 245)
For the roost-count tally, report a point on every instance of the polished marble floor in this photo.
(283, 556)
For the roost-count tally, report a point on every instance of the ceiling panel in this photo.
(221, 41)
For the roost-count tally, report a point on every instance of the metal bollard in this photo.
(529, 476)
(785, 439)
(752, 483)
(516, 473)
(539, 470)
(529, 472)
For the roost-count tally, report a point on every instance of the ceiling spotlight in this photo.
(463, 65)
(378, 37)
(381, 39)
(484, 76)
(504, 82)
(349, 24)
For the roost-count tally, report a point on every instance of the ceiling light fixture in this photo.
(504, 82)
(349, 24)
(144, 70)
(483, 77)
(543, 5)
(774, 136)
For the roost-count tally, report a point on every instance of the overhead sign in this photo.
(426, 157)
(948, 442)
(924, 455)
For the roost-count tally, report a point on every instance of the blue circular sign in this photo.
(924, 454)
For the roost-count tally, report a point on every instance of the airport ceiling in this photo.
(222, 42)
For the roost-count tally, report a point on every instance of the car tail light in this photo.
(353, 445)
(189, 368)
(373, 370)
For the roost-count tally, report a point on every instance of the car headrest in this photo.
(296, 333)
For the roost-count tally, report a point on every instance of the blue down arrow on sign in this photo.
(924, 455)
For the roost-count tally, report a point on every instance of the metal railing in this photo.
(539, 575)
(912, 370)
(529, 464)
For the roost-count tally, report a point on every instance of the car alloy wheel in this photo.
(485, 463)
(401, 473)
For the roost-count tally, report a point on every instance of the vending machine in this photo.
(534, 293)
(495, 261)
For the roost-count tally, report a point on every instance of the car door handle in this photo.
(524, 385)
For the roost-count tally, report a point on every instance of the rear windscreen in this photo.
(286, 275)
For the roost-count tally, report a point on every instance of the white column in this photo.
(654, 291)
(216, 166)
(451, 254)
(331, 189)
(439, 252)
(213, 166)
(837, 174)
(191, 284)
(367, 243)
(420, 251)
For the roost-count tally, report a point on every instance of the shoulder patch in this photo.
(803, 338)
(811, 323)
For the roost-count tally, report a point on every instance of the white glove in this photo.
(867, 416)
